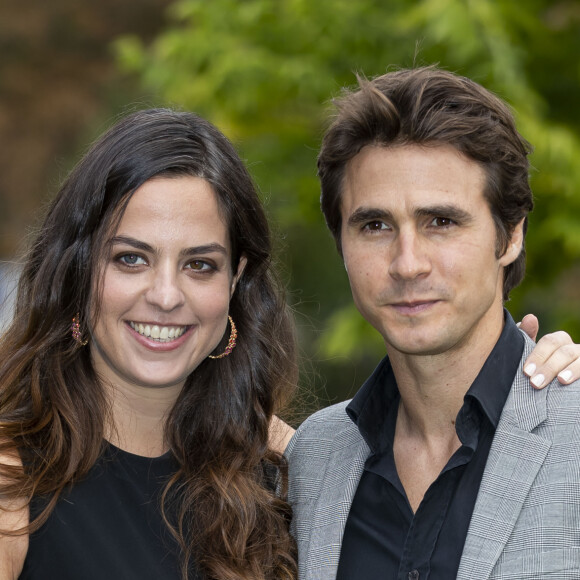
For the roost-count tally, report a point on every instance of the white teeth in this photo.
(159, 333)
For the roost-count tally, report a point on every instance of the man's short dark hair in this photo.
(429, 107)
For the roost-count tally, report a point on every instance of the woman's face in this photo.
(167, 286)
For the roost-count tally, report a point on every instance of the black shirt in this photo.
(109, 525)
(383, 538)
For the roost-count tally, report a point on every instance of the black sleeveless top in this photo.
(109, 525)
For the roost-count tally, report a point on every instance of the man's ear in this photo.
(515, 246)
(241, 265)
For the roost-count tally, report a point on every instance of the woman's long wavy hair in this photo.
(52, 407)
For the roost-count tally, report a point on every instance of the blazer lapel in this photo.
(343, 472)
(515, 457)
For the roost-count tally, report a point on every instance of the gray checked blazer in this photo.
(526, 519)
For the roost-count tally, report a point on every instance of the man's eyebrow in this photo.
(366, 214)
(445, 211)
(144, 247)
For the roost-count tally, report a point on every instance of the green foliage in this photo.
(263, 71)
(352, 336)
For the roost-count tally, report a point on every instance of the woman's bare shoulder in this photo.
(14, 516)
(280, 434)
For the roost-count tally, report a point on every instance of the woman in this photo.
(140, 441)
(143, 428)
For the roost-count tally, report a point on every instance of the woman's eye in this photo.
(131, 260)
(199, 266)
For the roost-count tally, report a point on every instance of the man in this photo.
(445, 464)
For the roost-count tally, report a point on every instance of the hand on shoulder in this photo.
(554, 355)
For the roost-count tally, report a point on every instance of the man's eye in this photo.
(375, 226)
(131, 260)
(442, 222)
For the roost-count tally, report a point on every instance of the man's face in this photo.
(419, 246)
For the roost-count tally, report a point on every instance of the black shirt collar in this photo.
(373, 408)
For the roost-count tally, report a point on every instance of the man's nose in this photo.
(409, 259)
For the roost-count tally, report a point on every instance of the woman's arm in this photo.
(13, 516)
(279, 436)
(554, 355)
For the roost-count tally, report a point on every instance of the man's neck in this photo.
(432, 389)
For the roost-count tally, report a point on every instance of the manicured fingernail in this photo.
(538, 380)
(530, 369)
(565, 376)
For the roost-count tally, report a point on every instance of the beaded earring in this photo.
(231, 342)
(76, 331)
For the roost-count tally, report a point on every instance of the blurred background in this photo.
(264, 71)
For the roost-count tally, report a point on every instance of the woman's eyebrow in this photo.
(145, 247)
(133, 242)
(204, 249)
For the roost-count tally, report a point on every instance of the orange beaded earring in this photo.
(231, 342)
(77, 332)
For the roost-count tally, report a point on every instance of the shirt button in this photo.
(413, 575)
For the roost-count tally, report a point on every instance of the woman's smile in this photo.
(157, 332)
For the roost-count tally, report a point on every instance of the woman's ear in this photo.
(241, 265)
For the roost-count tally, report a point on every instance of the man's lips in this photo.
(414, 306)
